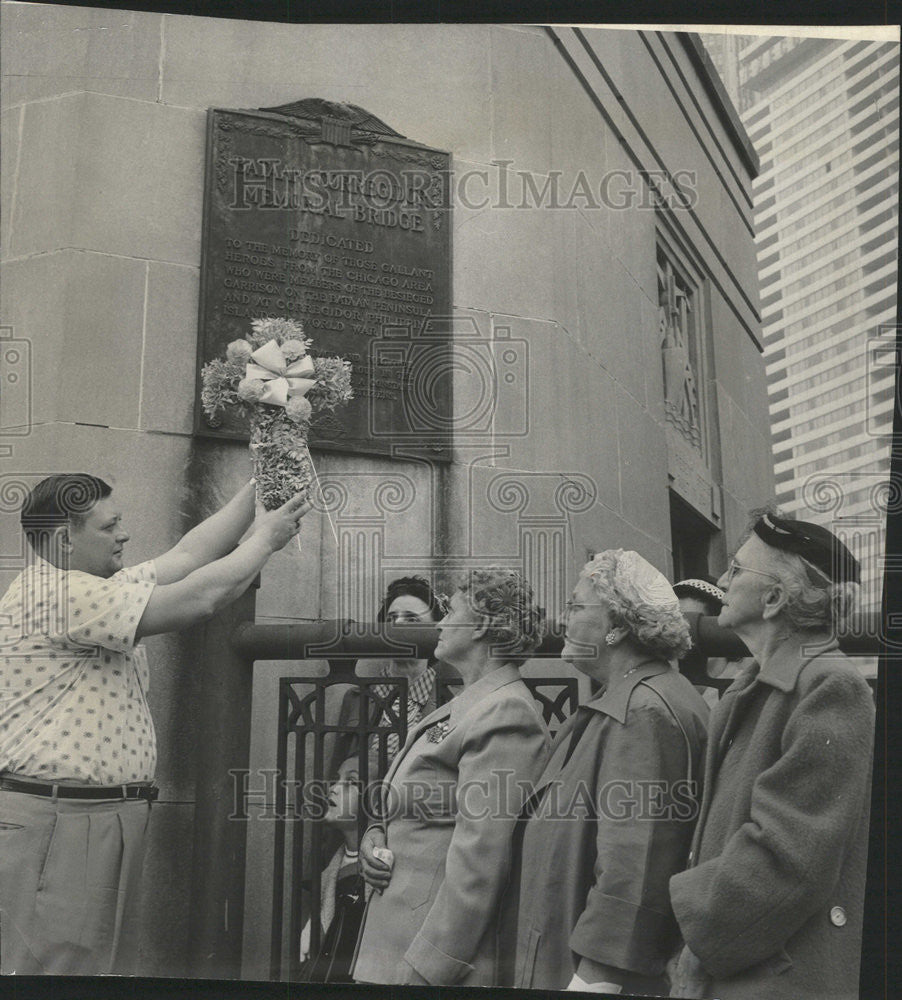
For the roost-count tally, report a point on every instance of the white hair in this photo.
(814, 601)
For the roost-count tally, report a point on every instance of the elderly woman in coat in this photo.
(440, 858)
(772, 903)
(612, 815)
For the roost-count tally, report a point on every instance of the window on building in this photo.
(691, 541)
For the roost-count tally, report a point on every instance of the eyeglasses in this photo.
(572, 606)
(735, 567)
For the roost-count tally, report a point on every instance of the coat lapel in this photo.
(613, 702)
(456, 709)
(732, 718)
(437, 715)
(559, 749)
(469, 696)
(721, 725)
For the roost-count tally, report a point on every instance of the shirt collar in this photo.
(38, 568)
(39, 564)
(418, 691)
(614, 701)
(462, 702)
(783, 668)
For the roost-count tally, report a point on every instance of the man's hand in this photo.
(376, 870)
(277, 527)
(211, 587)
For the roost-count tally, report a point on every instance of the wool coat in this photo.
(610, 822)
(772, 905)
(453, 796)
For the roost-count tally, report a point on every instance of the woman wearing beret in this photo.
(772, 902)
(612, 815)
(440, 857)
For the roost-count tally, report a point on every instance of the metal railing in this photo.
(305, 761)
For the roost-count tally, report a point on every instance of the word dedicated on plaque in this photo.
(321, 213)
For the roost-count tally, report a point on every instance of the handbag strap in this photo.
(678, 721)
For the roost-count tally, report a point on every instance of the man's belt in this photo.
(131, 790)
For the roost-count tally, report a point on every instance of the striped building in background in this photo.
(823, 116)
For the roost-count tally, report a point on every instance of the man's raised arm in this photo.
(212, 539)
(213, 586)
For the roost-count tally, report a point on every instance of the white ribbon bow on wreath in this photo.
(283, 378)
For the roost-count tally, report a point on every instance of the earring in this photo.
(611, 638)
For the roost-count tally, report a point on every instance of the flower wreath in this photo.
(271, 380)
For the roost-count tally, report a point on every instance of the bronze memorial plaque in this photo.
(322, 213)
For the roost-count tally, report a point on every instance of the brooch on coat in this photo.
(438, 732)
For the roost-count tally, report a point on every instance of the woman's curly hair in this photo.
(505, 601)
(658, 626)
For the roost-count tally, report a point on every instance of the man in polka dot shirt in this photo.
(77, 743)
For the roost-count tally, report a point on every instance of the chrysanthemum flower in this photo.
(293, 349)
(298, 409)
(239, 351)
(251, 389)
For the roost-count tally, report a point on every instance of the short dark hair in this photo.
(60, 500)
(412, 586)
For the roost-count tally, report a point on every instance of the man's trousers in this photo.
(69, 875)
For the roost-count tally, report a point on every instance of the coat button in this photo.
(838, 916)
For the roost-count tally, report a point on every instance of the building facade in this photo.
(602, 228)
(824, 118)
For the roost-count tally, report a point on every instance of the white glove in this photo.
(305, 942)
(581, 986)
(384, 855)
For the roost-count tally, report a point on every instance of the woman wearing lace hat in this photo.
(612, 814)
(712, 674)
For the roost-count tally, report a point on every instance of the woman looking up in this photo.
(440, 857)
